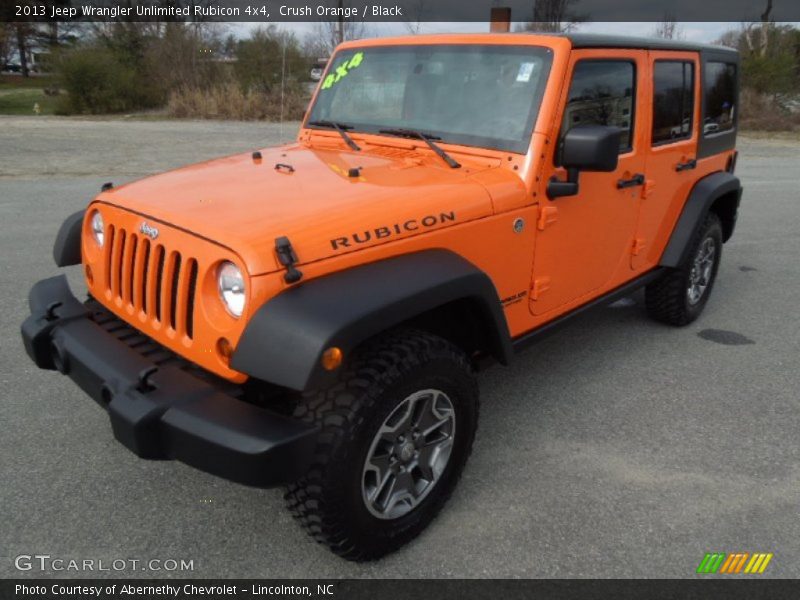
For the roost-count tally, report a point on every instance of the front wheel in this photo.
(680, 295)
(395, 433)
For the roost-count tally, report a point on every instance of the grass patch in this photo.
(14, 82)
(20, 101)
(18, 95)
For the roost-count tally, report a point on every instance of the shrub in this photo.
(764, 112)
(229, 101)
(266, 58)
(97, 82)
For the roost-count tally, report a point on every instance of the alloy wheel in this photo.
(702, 270)
(408, 454)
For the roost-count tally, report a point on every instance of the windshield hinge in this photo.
(288, 258)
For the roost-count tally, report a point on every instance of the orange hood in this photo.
(245, 203)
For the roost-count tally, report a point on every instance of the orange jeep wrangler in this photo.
(313, 315)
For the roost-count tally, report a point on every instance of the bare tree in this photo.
(668, 28)
(7, 37)
(756, 34)
(730, 39)
(416, 17)
(326, 35)
(553, 16)
(23, 32)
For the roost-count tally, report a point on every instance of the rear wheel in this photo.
(395, 434)
(680, 295)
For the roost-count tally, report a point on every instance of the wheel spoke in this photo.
(403, 490)
(400, 419)
(381, 463)
(405, 484)
(422, 410)
(435, 426)
(432, 418)
(426, 471)
(384, 490)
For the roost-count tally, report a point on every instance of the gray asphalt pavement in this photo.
(616, 448)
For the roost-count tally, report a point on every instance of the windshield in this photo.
(476, 95)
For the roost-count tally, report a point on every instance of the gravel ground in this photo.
(617, 448)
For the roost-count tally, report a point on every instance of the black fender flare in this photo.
(67, 247)
(702, 197)
(284, 340)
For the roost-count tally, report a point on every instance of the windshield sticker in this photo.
(525, 72)
(342, 70)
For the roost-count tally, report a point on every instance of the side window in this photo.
(673, 100)
(602, 92)
(720, 95)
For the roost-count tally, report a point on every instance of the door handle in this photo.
(685, 166)
(637, 179)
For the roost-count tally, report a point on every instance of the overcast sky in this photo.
(695, 32)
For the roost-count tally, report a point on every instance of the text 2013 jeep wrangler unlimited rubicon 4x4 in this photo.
(312, 315)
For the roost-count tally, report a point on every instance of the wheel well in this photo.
(463, 322)
(725, 208)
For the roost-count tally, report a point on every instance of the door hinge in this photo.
(547, 216)
(638, 246)
(540, 285)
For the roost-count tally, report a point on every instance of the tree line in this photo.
(116, 67)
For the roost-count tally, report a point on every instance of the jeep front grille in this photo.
(152, 280)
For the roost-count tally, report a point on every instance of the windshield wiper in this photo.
(427, 138)
(341, 129)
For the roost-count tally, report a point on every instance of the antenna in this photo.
(283, 81)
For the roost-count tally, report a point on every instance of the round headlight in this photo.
(231, 288)
(98, 228)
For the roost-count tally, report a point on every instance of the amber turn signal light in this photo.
(332, 358)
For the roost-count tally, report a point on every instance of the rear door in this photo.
(584, 241)
(672, 136)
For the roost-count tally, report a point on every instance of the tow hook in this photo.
(145, 385)
(50, 311)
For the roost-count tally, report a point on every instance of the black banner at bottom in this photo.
(400, 589)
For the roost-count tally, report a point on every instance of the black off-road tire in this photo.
(666, 299)
(327, 501)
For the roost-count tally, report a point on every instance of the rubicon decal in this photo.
(349, 241)
(734, 563)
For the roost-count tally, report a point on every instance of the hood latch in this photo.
(288, 258)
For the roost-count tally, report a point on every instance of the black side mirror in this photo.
(585, 148)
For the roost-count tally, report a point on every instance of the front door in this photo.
(584, 241)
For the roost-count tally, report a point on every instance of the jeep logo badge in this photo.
(150, 232)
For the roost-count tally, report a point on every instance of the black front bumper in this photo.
(162, 412)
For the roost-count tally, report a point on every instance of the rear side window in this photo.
(673, 101)
(720, 97)
(602, 92)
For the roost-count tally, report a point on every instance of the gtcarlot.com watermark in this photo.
(59, 564)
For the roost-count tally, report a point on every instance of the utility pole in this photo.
(340, 24)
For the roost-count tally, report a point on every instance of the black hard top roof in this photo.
(595, 40)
